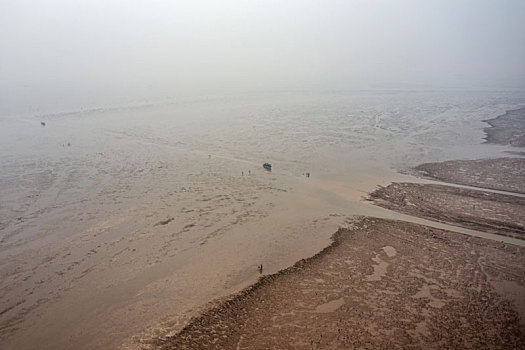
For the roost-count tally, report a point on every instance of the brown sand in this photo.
(504, 174)
(479, 210)
(507, 129)
(381, 284)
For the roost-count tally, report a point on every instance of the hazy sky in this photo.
(97, 51)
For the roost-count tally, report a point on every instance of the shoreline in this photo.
(505, 129)
(231, 301)
(192, 333)
(473, 209)
(499, 174)
(110, 272)
(219, 320)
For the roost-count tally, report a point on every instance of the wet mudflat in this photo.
(381, 284)
(117, 224)
(507, 129)
(504, 174)
(393, 284)
(485, 211)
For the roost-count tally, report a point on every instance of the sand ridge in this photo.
(479, 210)
(504, 174)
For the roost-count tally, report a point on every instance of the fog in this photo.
(79, 54)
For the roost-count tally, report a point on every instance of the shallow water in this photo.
(124, 221)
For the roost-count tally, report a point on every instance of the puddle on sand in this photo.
(379, 269)
(330, 306)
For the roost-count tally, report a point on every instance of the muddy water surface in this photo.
(120, 223)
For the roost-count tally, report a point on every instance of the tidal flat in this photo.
(120, 224)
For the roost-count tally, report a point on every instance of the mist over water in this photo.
(61, 55)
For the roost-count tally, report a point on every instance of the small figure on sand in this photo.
(260, 268)
(243, 173)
